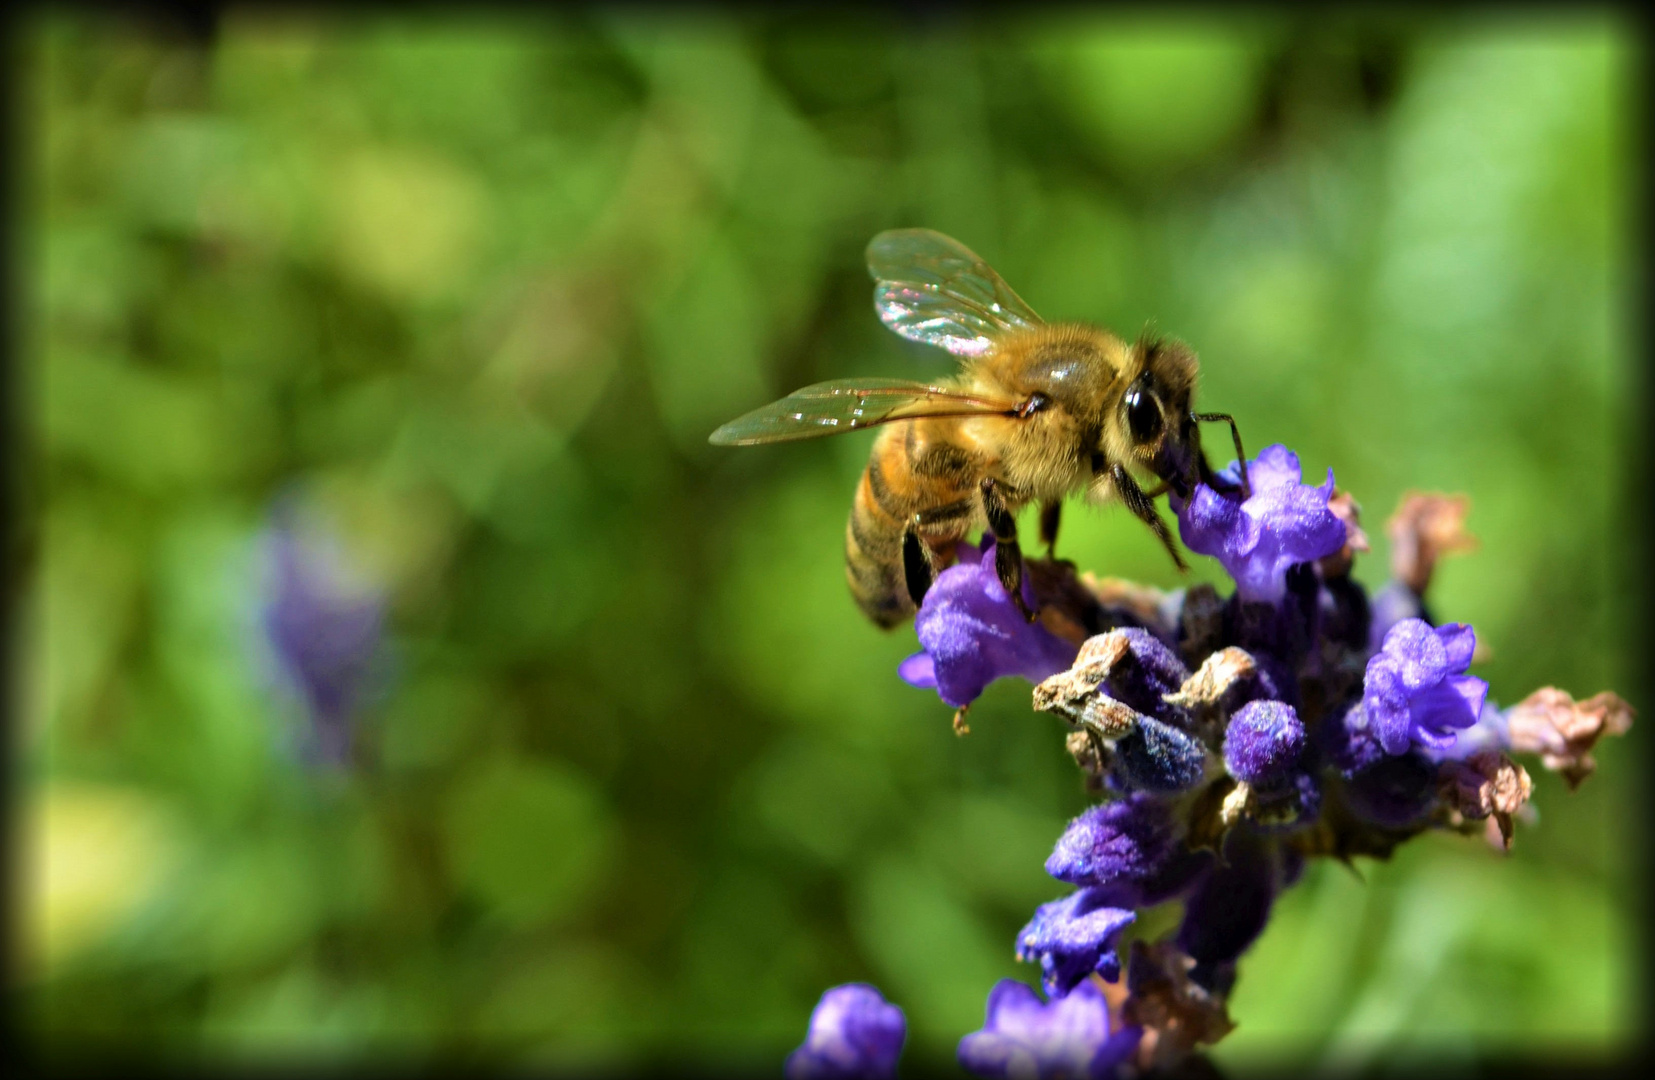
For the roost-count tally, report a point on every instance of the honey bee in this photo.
(1039, 412)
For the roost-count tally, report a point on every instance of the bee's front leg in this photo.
(1051, 514)
(1008, 555)
(1144, 509)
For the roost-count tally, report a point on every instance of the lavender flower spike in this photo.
(854, 1033)
(1415, 690)
(973, 634)
(1070, 1037)
(1282, 523)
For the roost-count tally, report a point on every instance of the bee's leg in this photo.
(1008, 555)
(1141, 506)
(1158, 490)
(1235, 435)
(917, 569)
(916, 566)
(1050, 515)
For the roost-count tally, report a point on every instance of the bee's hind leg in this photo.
(918, 566)
(1144, 509)
(1008, 554)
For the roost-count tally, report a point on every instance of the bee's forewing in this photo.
(842, 405)
(932, 288)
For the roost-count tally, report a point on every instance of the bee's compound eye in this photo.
(1143, 415)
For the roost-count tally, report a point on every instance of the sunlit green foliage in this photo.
(642, 782)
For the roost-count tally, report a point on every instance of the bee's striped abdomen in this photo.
(913, 468)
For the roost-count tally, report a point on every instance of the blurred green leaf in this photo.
(527, 839)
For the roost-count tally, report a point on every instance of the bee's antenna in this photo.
(1241, 455)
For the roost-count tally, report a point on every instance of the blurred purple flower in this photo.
(1415, 690)
(854, 1033)
(973, 634)
(1390, 605)
(1283, 522)
(1073, 937)
(1024, 1037)
(325, 634)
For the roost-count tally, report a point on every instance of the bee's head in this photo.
(1156, 413)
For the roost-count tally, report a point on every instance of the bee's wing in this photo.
(932, 288)
(850, 404)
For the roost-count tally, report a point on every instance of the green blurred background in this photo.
(642, 783)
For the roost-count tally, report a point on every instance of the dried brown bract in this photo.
(1176, 1013)
(1344, 507)
(1425, 527)
(1563, 731)
(1213, 679)
(1091, 755)
(1488, 784)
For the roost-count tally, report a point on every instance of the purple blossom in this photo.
(1263, 742)
(325, 633)
(1124, 840)
(973, 634)
(1283, 522)
(1073, 937)
(1415, 690)
(1069, 1037)
(854, 1032)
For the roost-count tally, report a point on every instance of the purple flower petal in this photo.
(1073, 937)
(854, 1032)
(1415, 692)
(973, 634)
(1492, 731)
(1459, 642)
(1024, 1037)
(1283, 522)
(919, 670)
(1276, 467)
